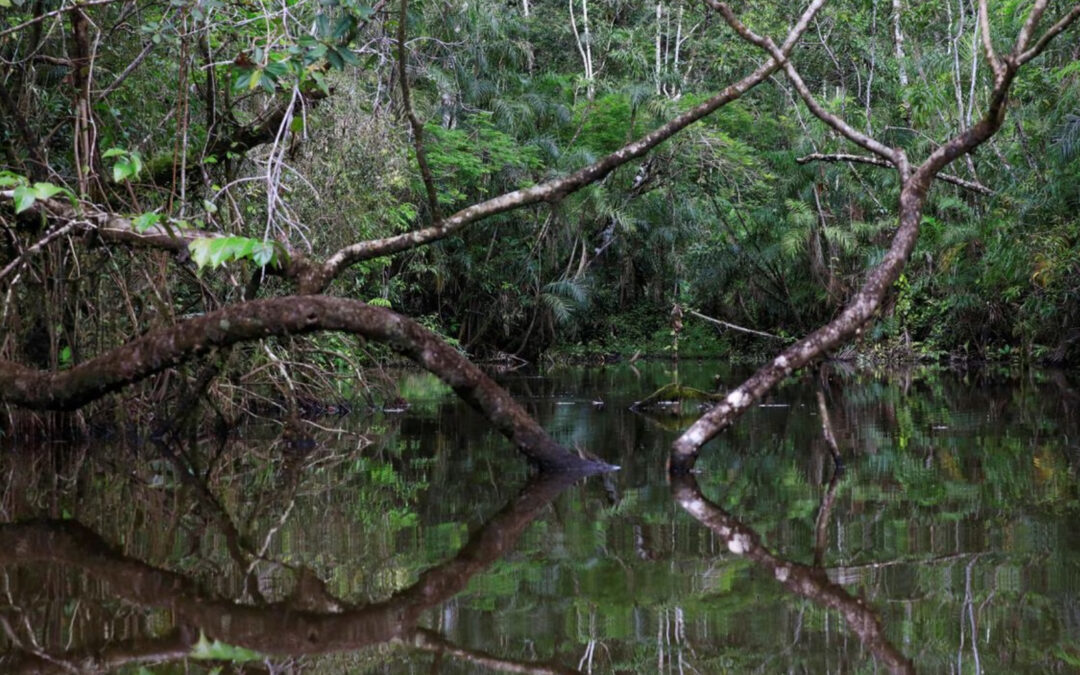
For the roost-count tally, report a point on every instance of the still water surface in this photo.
(415, 542)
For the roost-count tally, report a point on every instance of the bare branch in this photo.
(893, 155)
(414, 121)
(732, 326)
(863, 159)
(56, 12)
(861, 308)
(1032, 21)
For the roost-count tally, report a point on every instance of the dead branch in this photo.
(732, 326)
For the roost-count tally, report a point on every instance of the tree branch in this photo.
(556, 189)
(1049, 35)
(258, 319)
(863, 159)
(867, 300)
(893, 155)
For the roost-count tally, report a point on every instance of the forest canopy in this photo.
(231, 195)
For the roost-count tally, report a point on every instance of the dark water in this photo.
(415, 543)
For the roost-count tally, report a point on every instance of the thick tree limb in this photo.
(808, 582)
(258, 319)
(867, 300)
(863, 159)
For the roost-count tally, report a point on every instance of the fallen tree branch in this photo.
(863, 159)
(258, 319)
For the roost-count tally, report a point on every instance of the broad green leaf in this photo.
(46, 190)
(7, 179)
(114, 152)
(25, 196)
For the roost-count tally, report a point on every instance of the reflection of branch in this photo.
(279, 628)
(821, 522)
(430, 641)
(862, 159)
(808, 582)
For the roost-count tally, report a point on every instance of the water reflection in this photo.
(310, 621)
(954, 521)
(811, 582)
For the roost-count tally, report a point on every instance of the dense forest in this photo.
(182, 179)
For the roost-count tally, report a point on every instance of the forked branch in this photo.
(879, 280)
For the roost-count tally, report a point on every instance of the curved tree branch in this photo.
(259, 319)
(894, 156)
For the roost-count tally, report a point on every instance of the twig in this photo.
(863, 159)
(56, 12)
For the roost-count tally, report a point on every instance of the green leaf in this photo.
(8, 178)
(146, 221)
(114, 152)
(47, 190)
(25, 196)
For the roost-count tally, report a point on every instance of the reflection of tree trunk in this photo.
(255, 320)
(808, 582)
(276, 628)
